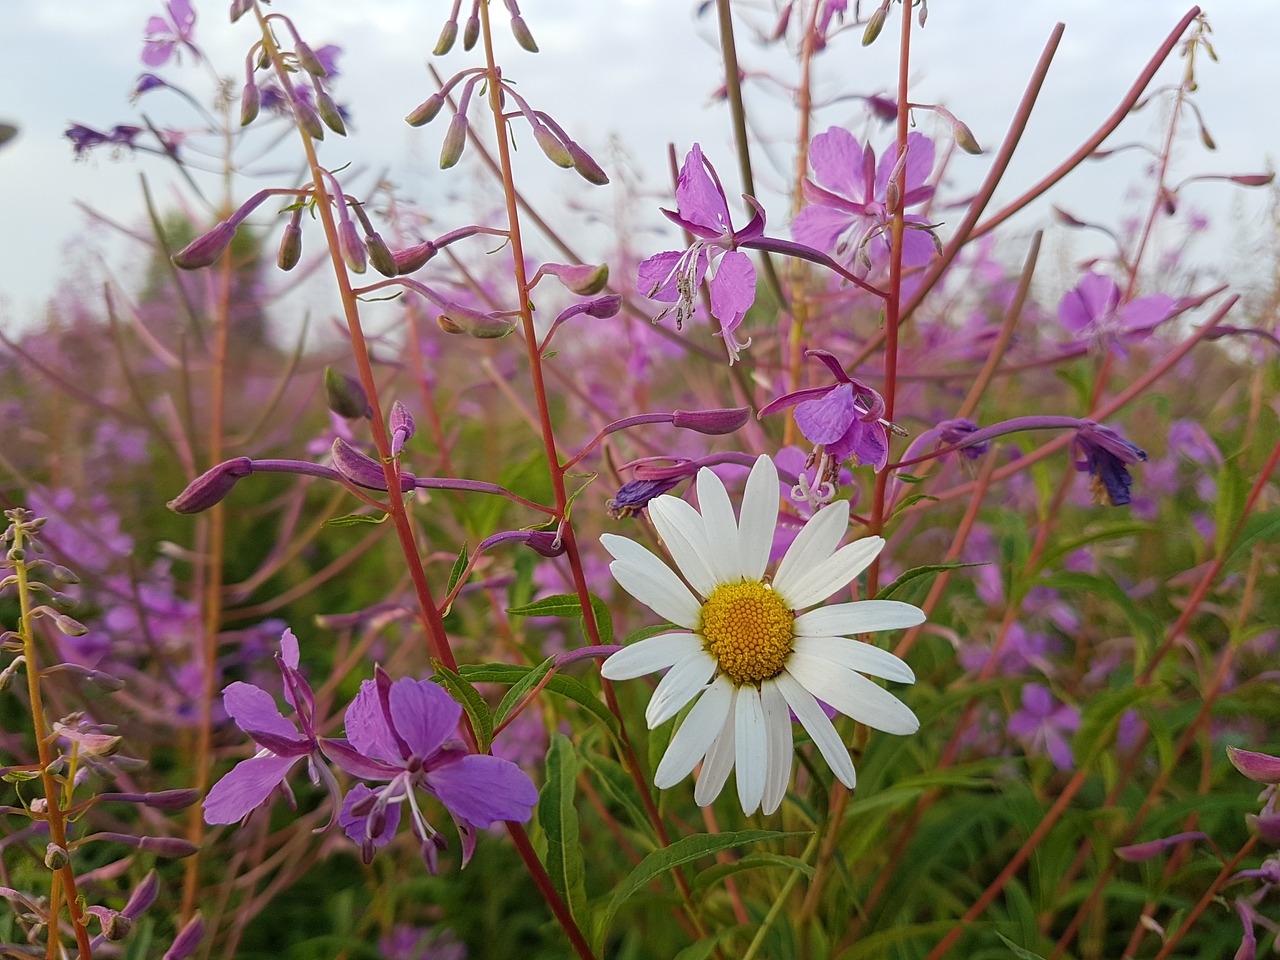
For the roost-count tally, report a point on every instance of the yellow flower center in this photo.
(749, 630)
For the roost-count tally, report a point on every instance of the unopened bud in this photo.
(447, 37)
(250, 101)
(330, 113)
(345, 395)
(364, 471)
(185, 943)
(711, 422)
(115, 925)
(551, 146)
(291, 243)
(471, 33)
(964, 137)
(7, 674)
(1256, 766)
(874, 26)
(352, 246)
(520, 30)
(56, 857)
(1252, 179)
(426, 111)
(308, 60)
(239, 8)
(211, 486)
(204, 250)
(455, 138)
(380, 255)
(892, 196)
(308, 120)
(548, 543)
(587, 168)
(402, 427)
(483, 326)
(412, 258)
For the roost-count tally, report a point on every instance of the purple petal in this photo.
(869, 442)
(289, 648)
(700, 200)
(839, 164)
(733, 290)
(919, 166)
(656, 277)
(1093, 297)
(827, 419)
(356, 763)
(255, 710)
(357, 828)
(424, 714)
(366, 726)
(821, 227)
(482, 790)
(156, 53)
(791, 399)
(245, 787)
(1256, 766)
(1146, 312)
(183, 16)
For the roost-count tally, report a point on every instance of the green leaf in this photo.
(1258, 528)
(1110, 532)
(520, 688)
(604, 619)
(914, 498)
(752, 861)
(915, 573)
(561, 605)
(1102, 715)
(1020, 952)
(472, 702)
(567, 687)
(352, 519)
(558, 818)
(683, 851)
(455, 574)
(618, 786)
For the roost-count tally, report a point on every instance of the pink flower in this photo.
(163, 37)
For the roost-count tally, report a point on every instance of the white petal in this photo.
(660, 590)
(724, 556)
(838, 571)
(715, 769)
(852, 694)
(860, 616)
(759, 518)
(751, 748)
(681, 530)
(854, 655)
(815, 542)
(679, 686)
(649, 655)
(818, 726)
(777, 722)
(692, 741)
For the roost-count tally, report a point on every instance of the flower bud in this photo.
(352, 247)
(330, 113)
(115, 925)
(455, 138)
(1267, 828)
(471, 33)
(250, 101)
(239, 8)
(587, 168)
(211, 486)
(426, 111)
(634, 496)
(185, 943)
(345, 395)
(1256, 766)
(291, 242)
(874, 26)
(56, 857)
(364, 471)
(1140, 852)
(308, 60)
(412, 258)
(584, 279)
(483, 326)
(402, 427)
(308, 120)
(1252, 179)
(711, 422)
(964, 137)
(520, 30)
(447, 37)
(204, 250)
(380, 255)
(551, 146)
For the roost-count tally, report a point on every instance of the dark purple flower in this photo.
(251, 781)
(1043, 725)
(163, 37)
(404, 732)
(84, 139)
(674, 276)
(1106, 458)
(850, 209)
(846, 419)
(1092, 311)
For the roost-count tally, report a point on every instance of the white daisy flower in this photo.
(745, 649)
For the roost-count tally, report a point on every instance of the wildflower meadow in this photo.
(790, 558)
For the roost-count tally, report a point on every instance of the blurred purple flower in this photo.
(850, 209)
(1092, 311)
(404, 732)
(165, 37)
(1106, 458)
(406, 942)
(1043, 725)
(674, 276)
(83, 139)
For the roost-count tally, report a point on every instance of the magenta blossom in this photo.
(164, 37)
(849, 212)
(1092, 311)
(1043, 725)
(405, 733)
(251, 781)
(674, 276)
(846, 419)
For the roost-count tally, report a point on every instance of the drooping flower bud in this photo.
(957, 431)
(364, 471)
(448, 35)
(455, 318)
(204, 250)
(115, 925)
(455, 138)
(551, 146)
(587, 168)
(875, 25)
(964, 137)
(402, 427)
(380, 255)
(291, 242)
(211, 486)
(426, 111)
(308, 120)
(345, 395)
(185, 943)
(56, 856)
(471, 33)
(250, 102)
(239, 8)
(308, 60)
(412, 258)
(1140, 852)
(584, 279)
(352, 247)
(1256, 766)
(330, 113)
(711, 422)
(523, 36)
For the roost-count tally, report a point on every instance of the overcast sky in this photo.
(639, 72)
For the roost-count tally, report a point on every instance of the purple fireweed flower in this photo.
(251, 781)
(407, 942)
(83, 139)
(1092, 311)
(404, 733)
(1106, 457)
(1043, 725)
(674, 276)
(849, 207)
(164, 37)
(846, 419)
